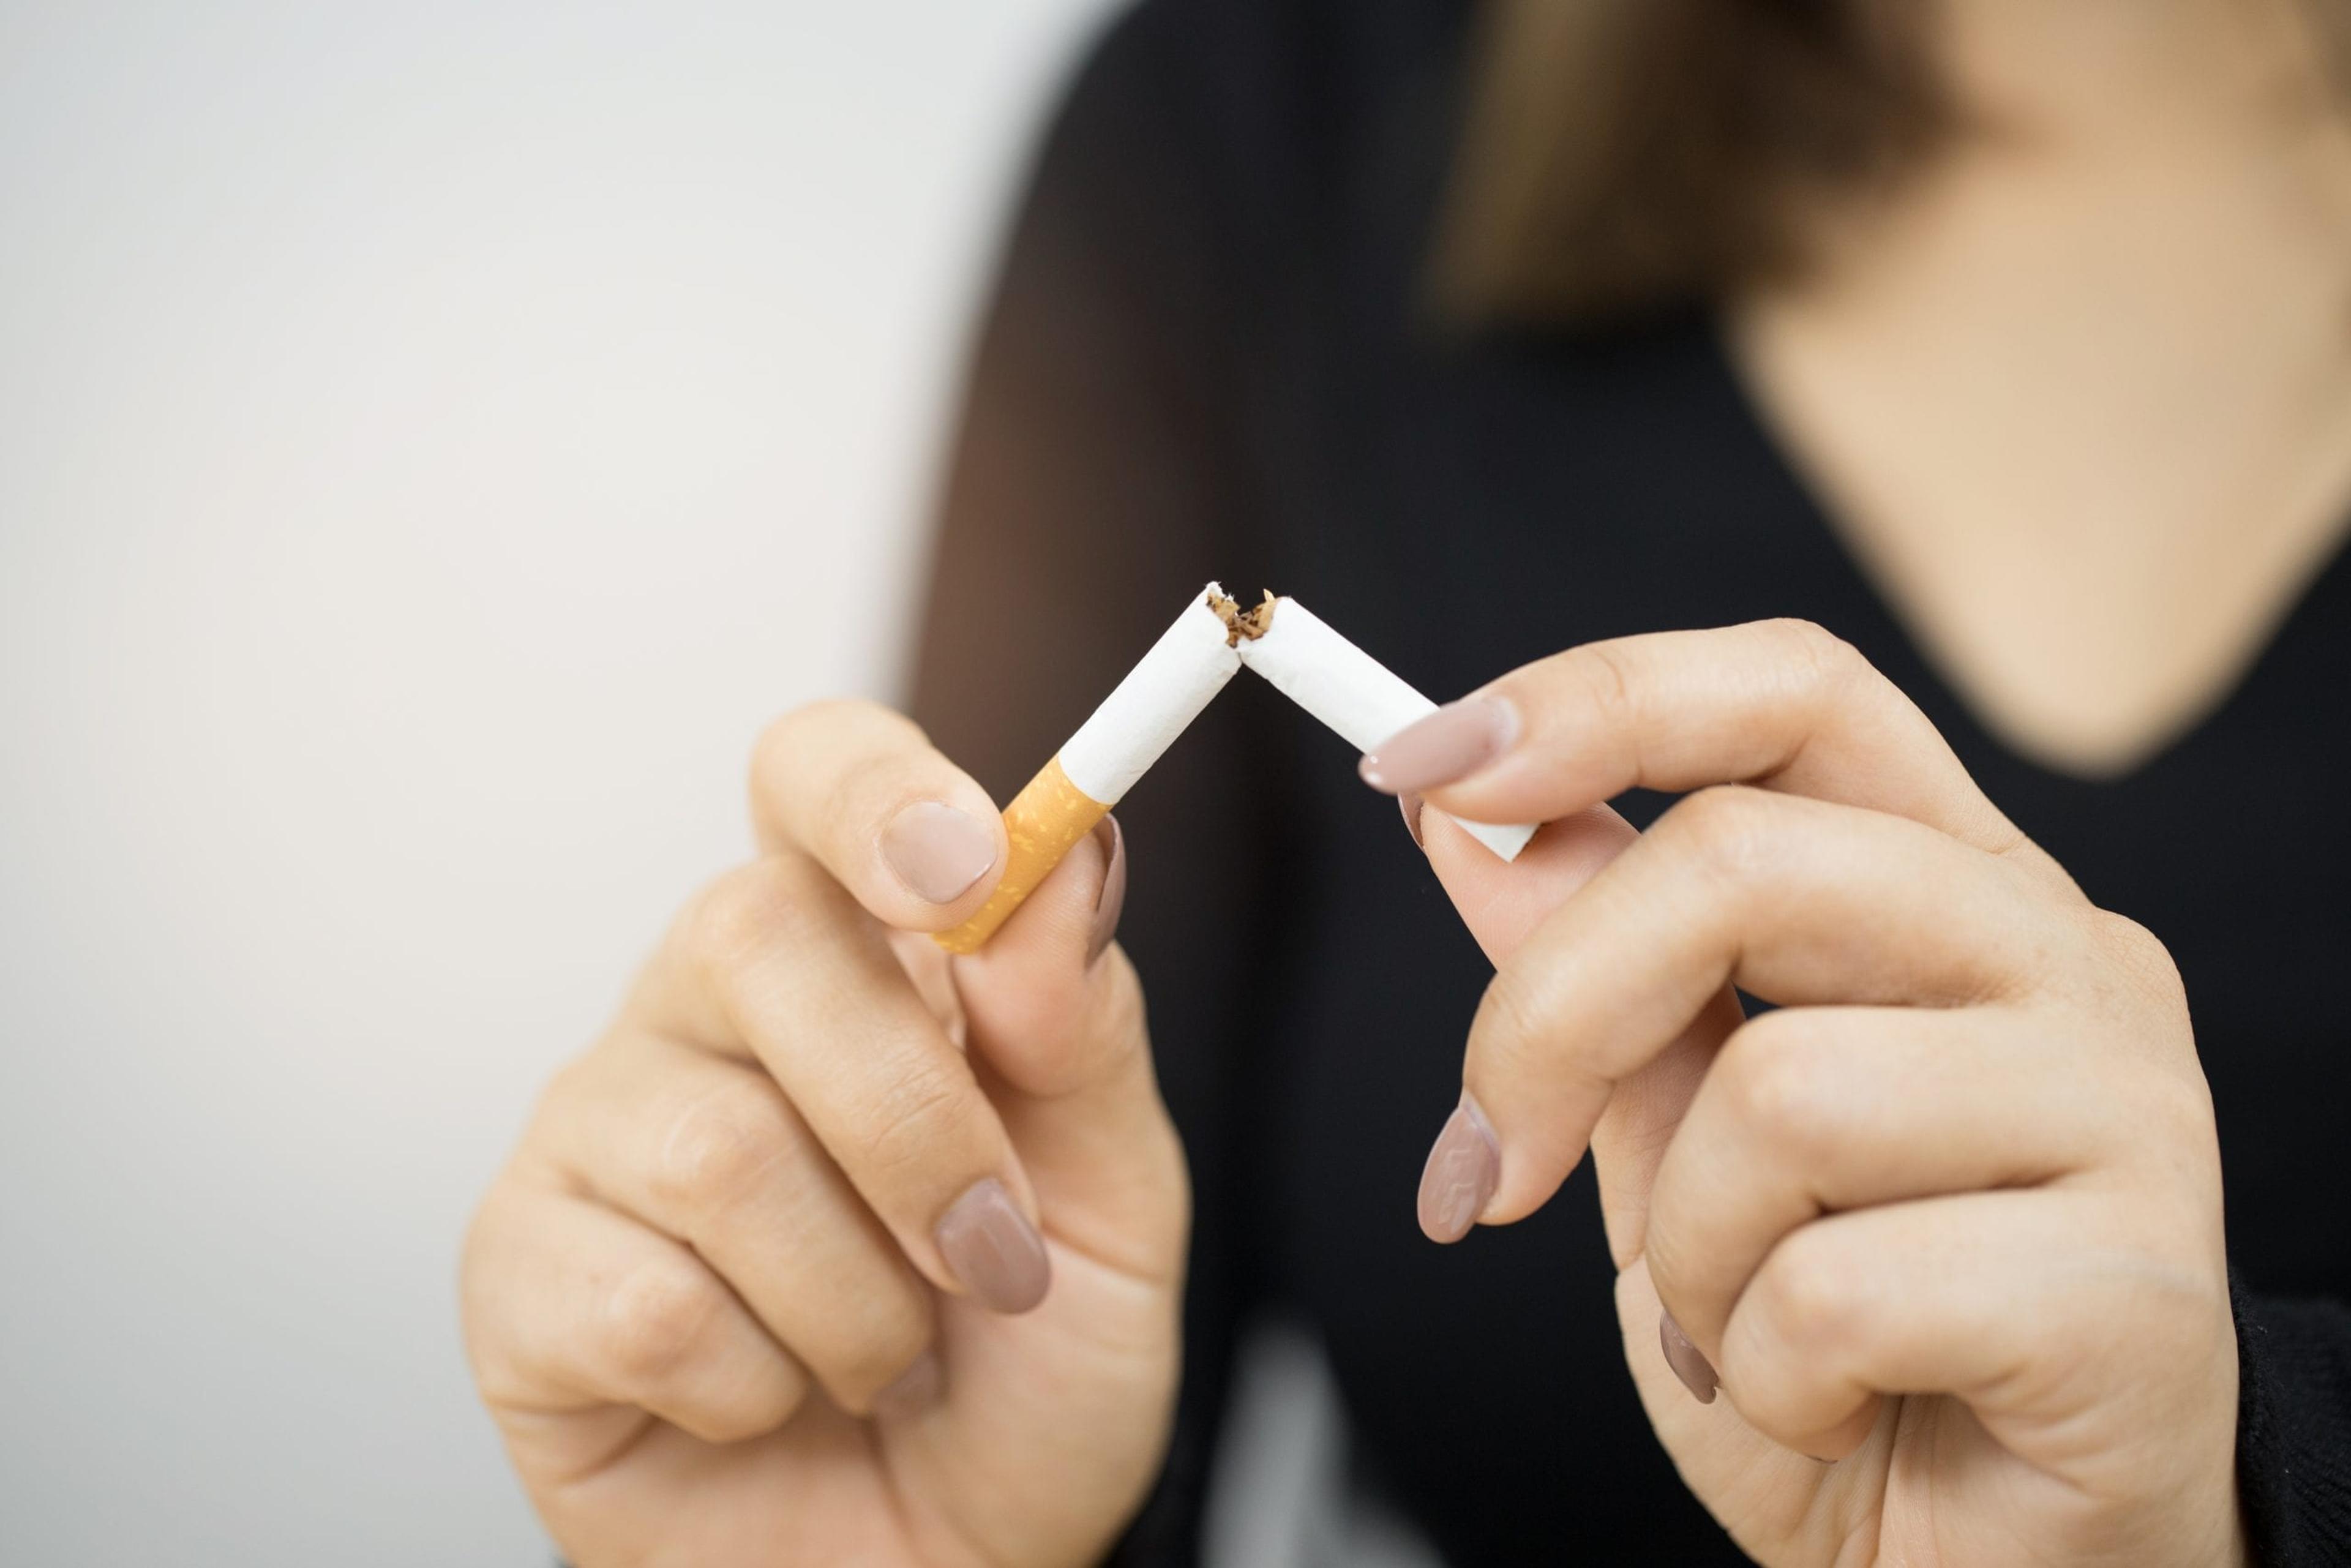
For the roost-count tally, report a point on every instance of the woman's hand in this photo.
(768, 1281)
(1949, 1219)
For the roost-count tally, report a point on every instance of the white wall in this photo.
(433, 436)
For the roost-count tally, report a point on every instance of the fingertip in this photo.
(858, 788)
(1051, 1003)
(1453, 743)
(939, 854)
(1457, 1182)
(994, 1251)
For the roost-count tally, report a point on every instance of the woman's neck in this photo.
(2093, 75)
(2080, 392)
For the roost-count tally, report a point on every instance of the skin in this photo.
(687, 1293)
(2079, 395)
(1950, 1218)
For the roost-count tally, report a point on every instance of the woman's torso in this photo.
(1461, 506)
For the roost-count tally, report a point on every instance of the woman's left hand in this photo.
(1949, 1219)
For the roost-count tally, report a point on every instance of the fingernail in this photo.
(1112, 898)
(936, 850)
(1449, 745)
(916, 1389)
(994, 1251)
(1410, 803)
(1688, 1362)
(1464, 1168)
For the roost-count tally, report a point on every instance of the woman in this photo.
(2012, 347)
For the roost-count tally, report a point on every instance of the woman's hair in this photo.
(1624, 155)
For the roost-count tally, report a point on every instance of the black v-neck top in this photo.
(1204, 358)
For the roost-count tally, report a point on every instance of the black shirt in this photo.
(1205, 358)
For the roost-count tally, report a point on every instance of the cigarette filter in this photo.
(1347, 689)
(1095, 768)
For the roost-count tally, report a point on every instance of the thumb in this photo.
(1054, 1019)
(1501, 901)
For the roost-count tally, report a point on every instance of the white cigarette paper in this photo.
(1096, 766)
(1282, 640)
(1354, 694)
(1158, 700)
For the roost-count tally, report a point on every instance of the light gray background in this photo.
(434, 437)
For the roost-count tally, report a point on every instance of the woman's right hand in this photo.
(766, 1281)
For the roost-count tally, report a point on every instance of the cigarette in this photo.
(1096, 766)
(1347, 689)
(1282, 640)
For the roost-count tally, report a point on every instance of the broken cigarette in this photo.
(1282, 640)
(1346, 688)
(1095, 768)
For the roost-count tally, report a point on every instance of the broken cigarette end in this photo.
(1242, 626)
(1354, 694)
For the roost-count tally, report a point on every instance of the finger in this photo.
(570, 1307)
(1055, 1016)
(1792, 900)
(709, 1151)
(861, 790)
(777, 961)
(1778, 704)
(2009, 1301)
(1502, 904)
(1810, 1111)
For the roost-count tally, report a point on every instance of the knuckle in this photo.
(2143, 958)
(1779, 1085)
(569, 1086)
(916, 1118)
(889, 1346)
(788, 742)
(1608, 684)
(744, 912)
(779, 747)
(655, 1317)
(1512, 1019)
(1823, 662)
(2177, 1115)
(755, 1419)
(721, 1145)
(1724, 828)
(1814, 1299)
(481, 1257)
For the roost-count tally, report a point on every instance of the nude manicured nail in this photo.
(916, 1389)
(936, 850)
(1464, 1168)
(1449, 745)
(1688, 1362)
(1112, 898)
(994, 1251)
(1409, 803)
